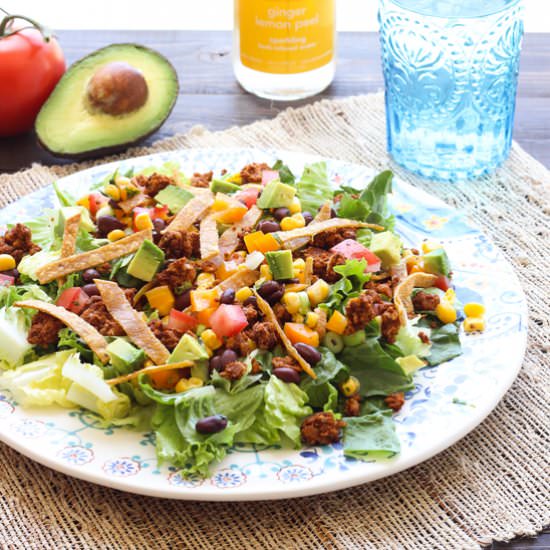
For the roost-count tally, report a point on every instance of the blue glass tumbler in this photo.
(450, 69)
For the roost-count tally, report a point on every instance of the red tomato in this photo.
(351, 249)
(6, 280)
(95, 200)
(30, 67)
(159, 212)
(442, 283)
(74, 299)
(180, 321)
(228, 320)
(248, 196)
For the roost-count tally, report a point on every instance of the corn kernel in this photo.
(473, 324)
(85, 202)
(473, 309)
(195, 382)
(243, 293)
(445, 312)
(299, 264)
(299, 218)
(206, 280)
(430, 246)
(291, 301)
(298, 318)
(295, 287)
(7, 261)
(122, 181)
(123, 193)
(318, 292)
(312, 319)
(235, 178)
(295, 206)
(350, 386)
(116, 234)
(209, 351)
(112, 191)
(148, 363)
(450, 296)
(143, 221)
(210, 339)
(289, 223)
(265, 272)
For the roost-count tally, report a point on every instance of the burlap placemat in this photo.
(494, 484)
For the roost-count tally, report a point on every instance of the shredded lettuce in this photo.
(314, 188)
(30, 264)
(409, 343)
(370, 436)
(13, 337)
(445, 343)
(15, 293)
(349, 285)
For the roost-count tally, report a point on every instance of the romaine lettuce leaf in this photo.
(15, 293)
(409, 343)
(13, 337)
(314, 187)
(370, 436)
(445, 344)
(285, 174)
(349, 285)
(30, 264)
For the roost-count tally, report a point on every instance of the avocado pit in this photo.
(117, 89)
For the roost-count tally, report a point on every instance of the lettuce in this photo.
(349, 285)
(13, 337)
(285, 174)
(445, 344)
(370, 436)
(409, 343)
(169, 168)
(30, 264)
(314, 188)
(15, 293)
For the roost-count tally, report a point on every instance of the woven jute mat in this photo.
(493, 484)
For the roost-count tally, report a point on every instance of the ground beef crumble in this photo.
(233, 370)
(283, 316)
(323, 262)
(154, 183)
(169, 337)
(424, 301)
(177, 244)
(331, 237)
(424, 337)
(395, 401)
(241, 344)
(252, 173)
(263, 335)
(252, 313)
(17, 242)
(96, 314)
(177, 273)
(385, 289)
(286, 362)
(201, 180)
(390, 323)
(321, 428)
(352, 406)
(44, 330)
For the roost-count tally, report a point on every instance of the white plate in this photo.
(448, 402)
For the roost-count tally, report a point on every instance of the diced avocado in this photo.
(188, 349)
(276, 195)
(280, 264)
(221, 186)
(410, 363)
(387, 246)
(125, 357)
(200, 370)
(174, 197)
(305, 304)
(437, 262)
(146, 261)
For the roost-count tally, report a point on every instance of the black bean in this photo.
(281, 213)
(333, 213)
(292, 281)
(269, 226)
(183, 300)
(275, 297)
(11, 273)
(106, 224)
(286, 374)
(90, 274)
(159, 224)
(228, 356)
(251, 301)
(211, 424)
(228, 296)
(309, 353)
(113, 204)
(271, 291)
(91, 289)
(307, 217)
(216, 363)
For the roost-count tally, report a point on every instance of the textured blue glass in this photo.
(450, 70)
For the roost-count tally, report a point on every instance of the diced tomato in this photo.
(159, 212)
(181, 321)
(228, 320)
(6, 280)
(269, 175)
(96, 201)
(442, 283)
(248, 196)
(351, 249)
(74, 299)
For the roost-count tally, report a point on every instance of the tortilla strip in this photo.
(265, 308)
(402, 294)
(324, 213)
(190, 213)
(148, 370)
(87, 332)
(70, 232)
(230, 238)
(131, 321)
(209, 239)
(129, 204)
(308, 270)
(141, 292)
(245, 277)
(79, 262)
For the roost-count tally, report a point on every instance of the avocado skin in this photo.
(112, 149)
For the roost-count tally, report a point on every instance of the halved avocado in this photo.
(107, 102)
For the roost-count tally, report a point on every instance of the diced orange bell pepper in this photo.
(298, 332)
(261, 241)
(221, 202)
(337, 323)
(226, 269)
(165, 379)
(202, 299)
(203, 316)
(232, 214)
(161, 298)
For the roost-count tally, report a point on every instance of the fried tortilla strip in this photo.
(149, 370)
(402, 294)
(79, 262)
(245, 277)
(131, 321)
(209, 239)
(308, 271)
(231, 237)
(190, 213)
(324, 213)
(87, 332)
(265, 308)
(70, 232)
(129, 204)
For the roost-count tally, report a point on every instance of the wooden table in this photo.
(210, 96)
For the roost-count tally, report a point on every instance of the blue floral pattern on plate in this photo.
(447, 402)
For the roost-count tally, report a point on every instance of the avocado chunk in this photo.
(387, 246)
(276, 195)
(107, 101)
(174, 197)
(146, 261)
(188, 349)
(410, 363)
(125, 357)
(437, 262)
(201, 370)
(221, 186)
(280, 264)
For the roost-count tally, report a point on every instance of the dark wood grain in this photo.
(210, 95)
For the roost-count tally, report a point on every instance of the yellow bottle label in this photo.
(285, 36)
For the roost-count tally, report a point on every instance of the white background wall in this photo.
(353, 15)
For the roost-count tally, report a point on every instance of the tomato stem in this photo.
(7, 23)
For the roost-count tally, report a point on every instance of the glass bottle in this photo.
(284, 49)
